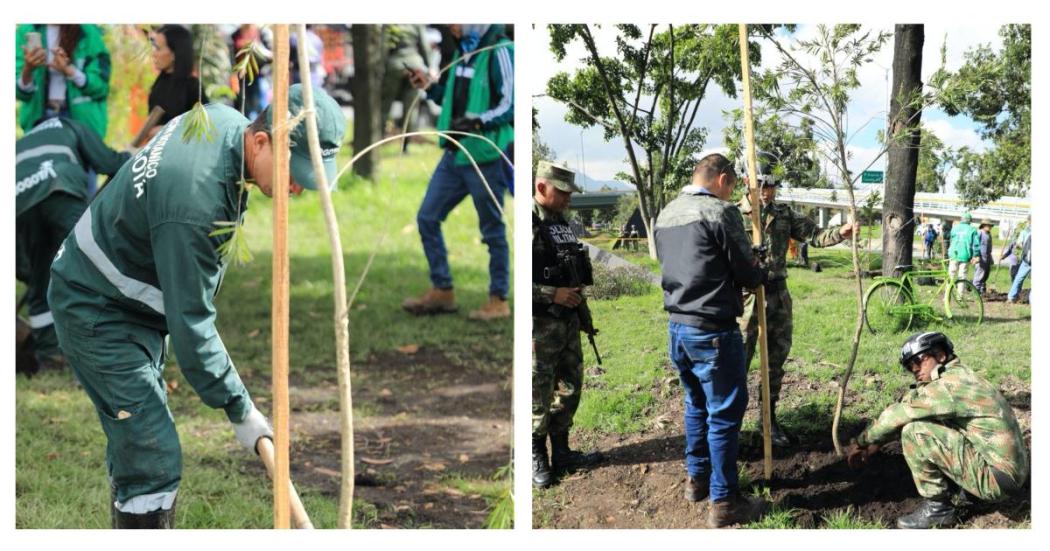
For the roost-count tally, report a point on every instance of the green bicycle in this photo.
(891, 304)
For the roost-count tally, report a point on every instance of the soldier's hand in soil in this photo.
(254, 427)
(857, 457)
(568, 297)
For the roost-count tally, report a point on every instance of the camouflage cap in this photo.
(561, 178)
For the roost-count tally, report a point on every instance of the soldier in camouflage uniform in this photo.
(780, 223)
(957, 431)
(557, 362)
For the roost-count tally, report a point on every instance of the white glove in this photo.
(254, 427)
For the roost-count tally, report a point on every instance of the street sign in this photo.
(871, 177)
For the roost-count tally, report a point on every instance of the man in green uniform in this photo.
(557, 360)
(780, 224)
(51, 192)
(965, 248)
(957, 431)
(142, 264)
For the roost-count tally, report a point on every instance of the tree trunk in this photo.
(898, 224)
(367, 87)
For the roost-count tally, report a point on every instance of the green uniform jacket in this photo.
(966, 243)
(52, 158)
(490, 97)
(87, 104)
(141, 254)
(781, 223)
(957, 398)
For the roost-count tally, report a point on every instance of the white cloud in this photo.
(955, 136)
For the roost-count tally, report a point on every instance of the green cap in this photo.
(331, 126)
(561, 178)
(967, 217)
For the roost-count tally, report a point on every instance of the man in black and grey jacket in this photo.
(706, 261)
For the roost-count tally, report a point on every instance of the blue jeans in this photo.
(714, 381)
(1022, 274)
(448, 186)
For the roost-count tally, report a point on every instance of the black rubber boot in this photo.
(564, 459)
(778, 435)
(933, 513)
(697, 488)
(541, 468)
(159, 519)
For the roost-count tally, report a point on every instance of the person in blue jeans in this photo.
(1025, 239)
(706, 261)
(478, 99)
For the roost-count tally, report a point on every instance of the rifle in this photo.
(580, 276)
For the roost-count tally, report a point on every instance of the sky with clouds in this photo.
(867, 110)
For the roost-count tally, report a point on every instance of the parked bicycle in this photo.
(891, 304)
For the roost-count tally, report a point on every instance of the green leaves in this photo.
(994, 89)
(233, 250)
(198, 125)
(247, 64)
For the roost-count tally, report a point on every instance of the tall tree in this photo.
(367, 88)
(994, 88)
(898, 223)
(648, 96)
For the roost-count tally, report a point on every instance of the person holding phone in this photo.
(62, 70)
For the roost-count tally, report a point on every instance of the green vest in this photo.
(87, 104)
(478, 101)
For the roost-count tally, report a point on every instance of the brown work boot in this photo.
(736, 509)
(434, 301)
(495, 308)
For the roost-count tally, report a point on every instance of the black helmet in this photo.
(924, 342)
(764, 172)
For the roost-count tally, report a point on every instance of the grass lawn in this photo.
(61, 477)
(633, 343)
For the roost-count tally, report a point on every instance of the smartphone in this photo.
(33, 41)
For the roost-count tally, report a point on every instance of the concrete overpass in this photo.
(603, 200)
(1007, 211)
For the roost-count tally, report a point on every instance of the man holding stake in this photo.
(143, 263)
(780, 224)
(958, 433)
(706, 261)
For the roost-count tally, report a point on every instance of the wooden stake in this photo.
(756, 238)
(279, 310)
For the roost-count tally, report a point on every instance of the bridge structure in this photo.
(834, 203)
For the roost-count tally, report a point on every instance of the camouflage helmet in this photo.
(766, 162)
(924, 342)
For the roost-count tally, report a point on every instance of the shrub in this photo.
(610, 283)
